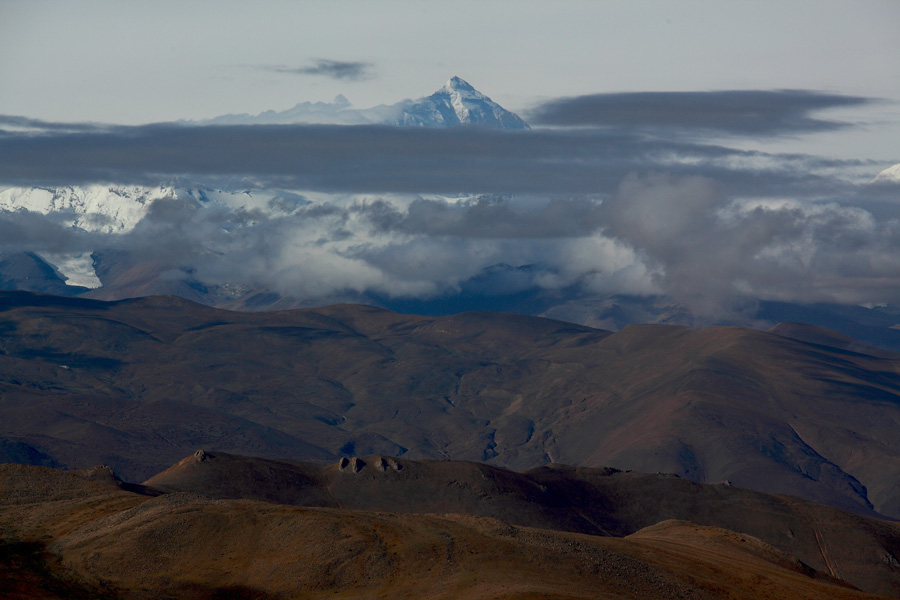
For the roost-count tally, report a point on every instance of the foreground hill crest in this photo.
(204, 533)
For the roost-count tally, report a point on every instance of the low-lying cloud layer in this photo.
(395, 159)
(656, 233)
(706, 249)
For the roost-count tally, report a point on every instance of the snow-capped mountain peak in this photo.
(112, 210)
(457, 103)
(459, 85)
(95, 208)
(460, 91)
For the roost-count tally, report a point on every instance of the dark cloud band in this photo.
(736, 112)
(389, 159)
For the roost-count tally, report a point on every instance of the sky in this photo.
(669, 141)
(139, 62)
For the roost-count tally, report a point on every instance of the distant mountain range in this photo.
(455, 104)
(109, 274)
(118, 209)
(110, 271)
(111, 210)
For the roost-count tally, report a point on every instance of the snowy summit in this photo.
(458, 103)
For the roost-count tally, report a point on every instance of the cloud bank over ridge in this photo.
(394, 159)
(656, 233)
(613, 202)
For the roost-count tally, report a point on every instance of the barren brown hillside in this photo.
(65, 536)
(139, 384)
(603, 502)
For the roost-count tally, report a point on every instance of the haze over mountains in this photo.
(579, 219)
(264, 249)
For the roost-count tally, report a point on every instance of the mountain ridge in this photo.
(455, 104)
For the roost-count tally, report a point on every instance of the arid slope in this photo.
(98, 540)
(139, 384)
(605, 502)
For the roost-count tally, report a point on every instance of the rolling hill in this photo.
(68, 536)
(138, 384)
(604, 502)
